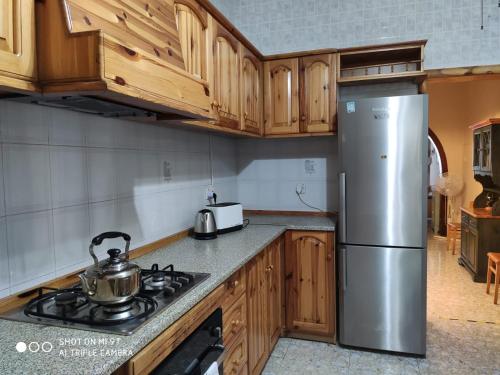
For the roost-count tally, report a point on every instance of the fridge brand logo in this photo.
(350, 107)
(380, 113)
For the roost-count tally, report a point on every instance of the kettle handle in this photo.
(97, 240)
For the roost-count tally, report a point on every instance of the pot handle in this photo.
(97, 240)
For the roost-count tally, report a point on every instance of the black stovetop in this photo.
(72, 309)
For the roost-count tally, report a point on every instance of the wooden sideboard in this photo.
(480, 235)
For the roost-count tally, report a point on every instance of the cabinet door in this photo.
(251, 93)
(17, 38)
(310, 284)
(281, 85)
(476, 155)
(257, 321)
(485, 150)
(192, 24)
(226, 78)
(318, 106)
(274, 288)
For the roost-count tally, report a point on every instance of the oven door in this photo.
(198, 352)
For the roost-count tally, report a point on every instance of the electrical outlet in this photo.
(300, 189)
(209, 192)
(166, 170)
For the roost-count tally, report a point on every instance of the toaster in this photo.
(228, 216)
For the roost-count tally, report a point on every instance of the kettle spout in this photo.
(85, 285)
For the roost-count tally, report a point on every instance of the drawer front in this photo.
(234, 320)
(237, 357)
(234, 287)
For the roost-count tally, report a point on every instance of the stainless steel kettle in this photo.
(112, 281)
(205, 227)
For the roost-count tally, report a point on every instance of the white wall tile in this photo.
(30, 246)
(102, 174)
(68, 167)
(97, 175)
(68, 128)
(26, 178)
(71, 238)
(104, 218)
(102, 132)
(24, 123)
(4, 256)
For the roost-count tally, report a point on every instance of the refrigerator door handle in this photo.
(342, 213)
(343, 268)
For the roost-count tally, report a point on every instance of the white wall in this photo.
(270, 169)
(67, 177)
(452, 27)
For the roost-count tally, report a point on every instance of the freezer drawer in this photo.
(382, 298)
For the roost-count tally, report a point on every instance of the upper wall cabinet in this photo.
(126, 51)
(17, 45)
(192, 24)
(281, 91)
(251, 92)
(225, 104)
(317, 93)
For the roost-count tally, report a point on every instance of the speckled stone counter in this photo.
(84, 352)
(295, 222)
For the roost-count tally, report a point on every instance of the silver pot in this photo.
(112, 281)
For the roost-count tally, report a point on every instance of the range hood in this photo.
(115, 59)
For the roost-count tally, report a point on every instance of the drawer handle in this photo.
(235, 324)
(236, 362)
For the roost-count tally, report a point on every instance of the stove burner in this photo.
(166, 279)
(113, 313)
(66, 299)
(158, 281)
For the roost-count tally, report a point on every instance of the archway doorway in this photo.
(438, 165)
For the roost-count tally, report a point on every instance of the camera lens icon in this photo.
(34, 347)
(21, 347)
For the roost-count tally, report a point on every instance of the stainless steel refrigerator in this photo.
(382, 223)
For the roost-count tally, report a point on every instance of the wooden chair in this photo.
(493, 267)
(453, 233)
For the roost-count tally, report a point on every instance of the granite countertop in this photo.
(84, 352)
(295, 222)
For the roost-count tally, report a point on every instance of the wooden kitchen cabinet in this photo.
(318, 107)
(251, 92)
(225, 103)
(310, 284)
(264, 301)
(17, 45)
(192, 25)
(281, 96)
(274, 270)
(258, 345)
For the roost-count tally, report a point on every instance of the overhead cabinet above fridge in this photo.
(117, 52)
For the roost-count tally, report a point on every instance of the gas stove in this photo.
(71, 308)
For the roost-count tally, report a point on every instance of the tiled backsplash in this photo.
(453, 28)
(69, 176)
(269, 171)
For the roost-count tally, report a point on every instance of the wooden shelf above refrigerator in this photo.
(385, 63)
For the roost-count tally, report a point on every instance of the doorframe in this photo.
(444, 168)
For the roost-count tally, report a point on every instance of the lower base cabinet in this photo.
(310, 285)
(264, 305)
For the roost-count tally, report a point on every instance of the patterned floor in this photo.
(463, 333)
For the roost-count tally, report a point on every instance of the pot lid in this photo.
(116, 263)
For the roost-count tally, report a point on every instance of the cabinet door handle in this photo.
(303, 118)
(294, 119)
(234, 284)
